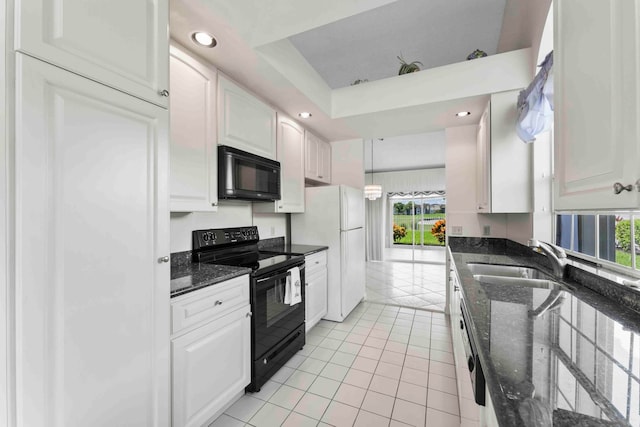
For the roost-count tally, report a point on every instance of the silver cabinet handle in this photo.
(164, 93)
(456, 288)
(279, 206)
(317, 262)
(619, 188)
(306, 283)
(218, 302)
(249, 314)
(163, 259)
(320, 176)
(214, 204)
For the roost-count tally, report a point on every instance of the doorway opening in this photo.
(416, 229)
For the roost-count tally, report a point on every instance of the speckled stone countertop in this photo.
(575, 364)
(296, 249)
(278, 245)
(188, 276)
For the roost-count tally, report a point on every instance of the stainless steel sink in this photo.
(511, 275)
(518, 281)
(507, 271)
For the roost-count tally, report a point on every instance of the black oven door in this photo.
(273, 320)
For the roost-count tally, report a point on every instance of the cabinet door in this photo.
(324, 162)
(291, 158)
(92, 298)
(194, 152)
(597, 103)
(316, 297)
(311, 156)
(510, 159)
(244, 122)
(483, 156)
(210, 366)
(121, 43)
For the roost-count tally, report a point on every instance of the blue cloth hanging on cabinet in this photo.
(535, 103)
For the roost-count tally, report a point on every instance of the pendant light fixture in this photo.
(372, 191)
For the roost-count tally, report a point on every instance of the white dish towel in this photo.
(293, 288)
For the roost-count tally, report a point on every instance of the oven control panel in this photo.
(224, 236)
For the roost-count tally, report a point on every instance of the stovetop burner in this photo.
(238, 247)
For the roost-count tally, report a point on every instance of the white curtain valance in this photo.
(535, 103)
(406, 181)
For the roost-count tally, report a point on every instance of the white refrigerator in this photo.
(334, 217)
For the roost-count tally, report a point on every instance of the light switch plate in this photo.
(486, 230)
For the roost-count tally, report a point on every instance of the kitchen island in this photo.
(561, 355)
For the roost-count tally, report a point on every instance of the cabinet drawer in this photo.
(209, 303)
(315, 262)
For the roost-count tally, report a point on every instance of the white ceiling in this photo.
(255, 49)
(408, 152)
(434, 32)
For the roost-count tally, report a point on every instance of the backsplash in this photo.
(229, 214)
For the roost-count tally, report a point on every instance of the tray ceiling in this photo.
(434, 32)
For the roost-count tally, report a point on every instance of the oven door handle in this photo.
(278, 276)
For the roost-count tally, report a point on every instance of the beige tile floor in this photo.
(383, 366)
(412, 285)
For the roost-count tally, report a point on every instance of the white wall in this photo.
(461, 187)
(270, 225)
(347, 162)
(229, 214)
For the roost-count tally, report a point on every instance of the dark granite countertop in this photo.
(295, 249)
(575, 364)
(187, 276)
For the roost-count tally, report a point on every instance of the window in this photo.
(612, 237)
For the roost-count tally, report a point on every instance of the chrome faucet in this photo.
(556, 255)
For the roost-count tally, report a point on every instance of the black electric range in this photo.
(277, 327)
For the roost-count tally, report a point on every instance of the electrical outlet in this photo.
(273, 231)
(486, 230)
(456, 230)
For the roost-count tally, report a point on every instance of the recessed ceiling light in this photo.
(463, 113)
(204, 39)
(305, 114)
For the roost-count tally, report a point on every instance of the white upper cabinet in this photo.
(245, 122)
(317, 159)
(291, 158)
(597, 104)
(120, 43)
(504, 161)
(483, 162)
(194, 152)
(92, 314)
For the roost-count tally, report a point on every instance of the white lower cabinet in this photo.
(470, 412)
(316, 288)
(211, 359)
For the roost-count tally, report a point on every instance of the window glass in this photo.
(607, 237)
(585, 234)
(613, 237)
(563, 231)
(623, 239)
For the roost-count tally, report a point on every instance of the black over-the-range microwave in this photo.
(245, 176)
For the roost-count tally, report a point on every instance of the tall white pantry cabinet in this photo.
(90, 203)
